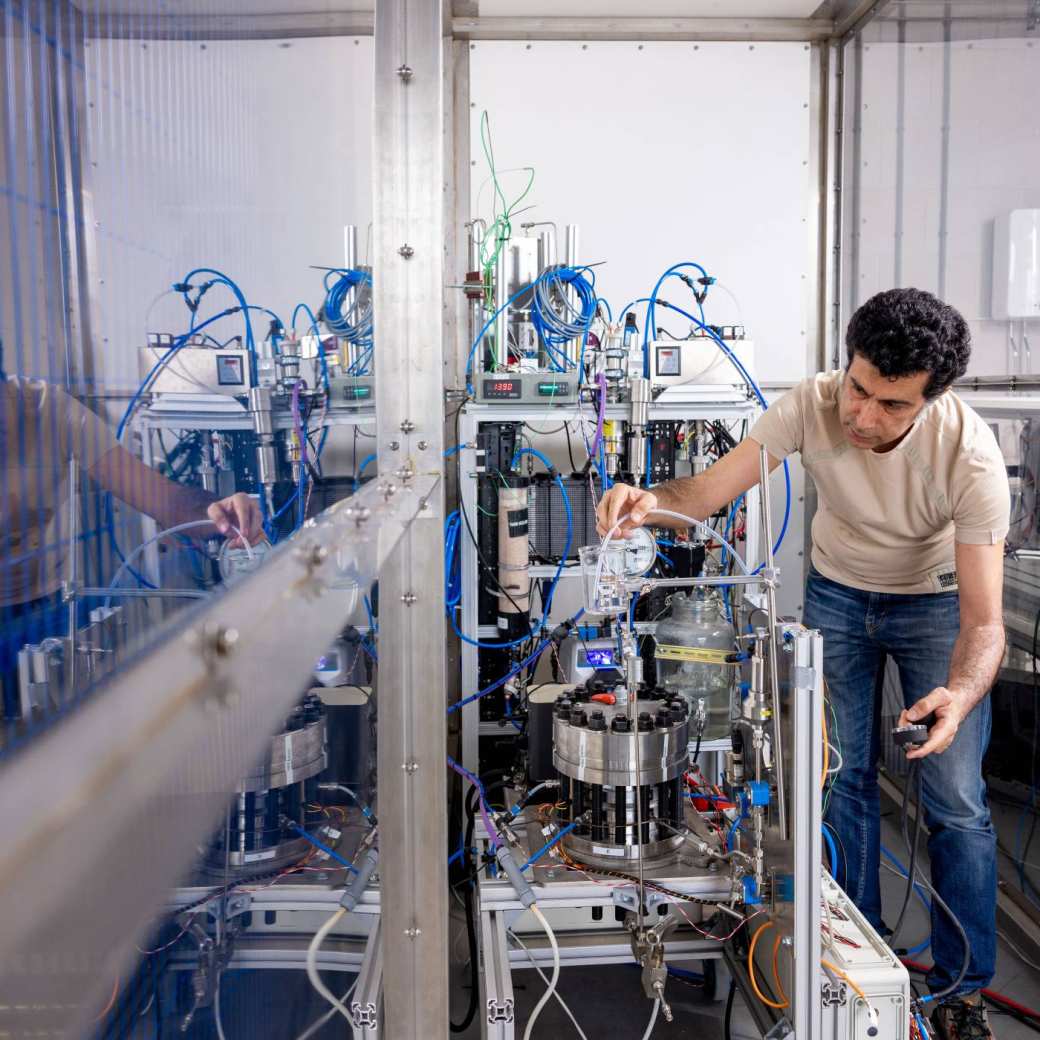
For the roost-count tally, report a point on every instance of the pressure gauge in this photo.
(640, 552)
(236, 563)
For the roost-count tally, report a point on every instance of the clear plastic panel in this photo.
(938, 150)
(189, 677)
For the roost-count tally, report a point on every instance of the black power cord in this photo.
(471, 929)
(727, 1021)
(912, 866)
(913, 781)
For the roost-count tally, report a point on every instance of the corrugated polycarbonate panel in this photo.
(188, 606)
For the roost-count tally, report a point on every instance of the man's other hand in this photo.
(237, 511)
(948, 715)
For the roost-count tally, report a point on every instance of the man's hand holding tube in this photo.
(623, 500)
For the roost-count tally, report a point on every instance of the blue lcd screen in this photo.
(328, 663)
(599, 658)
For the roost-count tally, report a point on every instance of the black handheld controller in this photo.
(915, 734)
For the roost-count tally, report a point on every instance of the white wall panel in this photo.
(257, 181)
(994, 153)
(664, 152)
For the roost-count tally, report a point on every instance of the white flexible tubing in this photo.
(216, 1008)
(534, 964)
(551, 989)
(318, 1023)
(704, 528)
(653, 1019)
(191, 525)
(312, 966)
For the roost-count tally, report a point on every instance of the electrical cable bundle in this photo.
(556, 319)
(355, 325)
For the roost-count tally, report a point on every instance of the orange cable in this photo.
(751, 969)
(111, 1001)
(776, 968)
(826, 750)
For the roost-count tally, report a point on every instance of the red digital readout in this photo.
(504, 386)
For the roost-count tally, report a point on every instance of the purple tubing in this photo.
(475, 781)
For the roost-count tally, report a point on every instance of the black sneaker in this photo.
(963, 1018)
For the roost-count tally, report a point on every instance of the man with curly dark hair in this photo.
(907, 564)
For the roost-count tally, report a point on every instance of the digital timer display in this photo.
(554, 389)
(502, 389)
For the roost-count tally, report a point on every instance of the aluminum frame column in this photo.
(408, 298)
(807, 761)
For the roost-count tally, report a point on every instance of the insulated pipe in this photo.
(350, 246)
(514, 609)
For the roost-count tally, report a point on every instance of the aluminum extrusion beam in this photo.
(807, 764)
(498, 1004)
(563, 28)
(233, 26)
(117, 796)
(366, 1005)
(408, 299)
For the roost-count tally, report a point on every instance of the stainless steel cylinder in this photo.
(260, 411)
(639, 390)
(501, 295)
(608, 757)
(350, 259)
(571, 245)
(546, 249)
(266, 464)
(258, 835)
(292, 757)
(613, 776)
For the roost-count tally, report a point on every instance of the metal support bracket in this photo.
(628, 898)
(498, 983)
(781, 1031)
(366, 1005)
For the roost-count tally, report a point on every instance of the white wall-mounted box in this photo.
(1016, 265)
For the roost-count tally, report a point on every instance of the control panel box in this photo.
(194, 369)
(527, 387)
(699, 369)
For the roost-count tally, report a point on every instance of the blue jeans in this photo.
(860, 629)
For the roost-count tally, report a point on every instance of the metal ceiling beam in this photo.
(232, 26)
(464, 27)
(860, 17)
(562, 28)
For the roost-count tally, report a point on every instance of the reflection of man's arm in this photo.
(169, 503)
